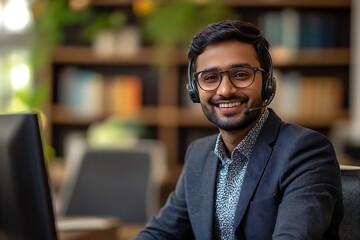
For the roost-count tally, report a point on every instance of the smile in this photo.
(229, 105)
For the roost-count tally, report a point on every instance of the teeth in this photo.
(229, 105)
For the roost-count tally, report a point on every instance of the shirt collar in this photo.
(246, 145)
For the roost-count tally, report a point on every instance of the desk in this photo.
(95, 228)
(128, 231)
(108, 234)
(87, 228)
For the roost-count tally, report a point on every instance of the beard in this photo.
(230, 122)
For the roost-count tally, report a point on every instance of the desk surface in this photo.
(94, 228)
(122, 232)
(109, 234)
(127, 231)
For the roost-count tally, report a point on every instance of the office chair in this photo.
(350, 225)
(113, 181)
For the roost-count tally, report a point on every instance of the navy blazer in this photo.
(291, 190)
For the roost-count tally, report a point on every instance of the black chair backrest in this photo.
(115, 181)
(112, 183)
(350, 225)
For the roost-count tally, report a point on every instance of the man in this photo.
(259, 178)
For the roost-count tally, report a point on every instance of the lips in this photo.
(229, 105)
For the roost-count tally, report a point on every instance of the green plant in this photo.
(174, 22)
(31, 99)
(52, 17)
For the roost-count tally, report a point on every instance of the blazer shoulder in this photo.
(201, 147)
(296, 131)
(206, 142)
(290, 130)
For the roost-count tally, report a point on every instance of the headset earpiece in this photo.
(191, 86)
(269, 90)
(193, 92)
(269, 86)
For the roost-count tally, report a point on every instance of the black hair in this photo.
(231, 30)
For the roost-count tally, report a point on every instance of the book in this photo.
(318, 30)
(124, 95)
(282, 30)
(287, 101)
(300, 96)
(81, 92)
(323, 96)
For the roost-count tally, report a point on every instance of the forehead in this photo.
(224, 54)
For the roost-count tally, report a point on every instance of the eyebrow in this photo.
(240, 65)
(231, 66)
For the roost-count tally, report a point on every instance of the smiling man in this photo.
(259, 178)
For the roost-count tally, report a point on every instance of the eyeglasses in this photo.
(240, 77)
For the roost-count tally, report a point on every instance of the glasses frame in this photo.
(255, 69)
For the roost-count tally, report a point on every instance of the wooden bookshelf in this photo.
(303, 57)
(167, 116)
(314, 57)
(83, 55)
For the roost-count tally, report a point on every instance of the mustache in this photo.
(218, 99)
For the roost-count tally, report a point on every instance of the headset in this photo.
(269, 81)
(191, 86)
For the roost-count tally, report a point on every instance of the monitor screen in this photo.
(26, 210)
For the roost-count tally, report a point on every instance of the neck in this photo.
(233, 138)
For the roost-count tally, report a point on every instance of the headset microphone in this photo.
(247, 110)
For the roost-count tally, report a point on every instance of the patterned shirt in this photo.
(230, 179)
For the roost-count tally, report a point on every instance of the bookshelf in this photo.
(166, 109)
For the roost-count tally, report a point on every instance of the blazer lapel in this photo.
(206, 206)
(257, 164)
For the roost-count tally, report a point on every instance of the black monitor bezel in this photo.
(26, 207)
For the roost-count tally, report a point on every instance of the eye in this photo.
(210, 77)
(240, 74)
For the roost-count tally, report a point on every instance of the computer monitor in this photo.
(26, 210)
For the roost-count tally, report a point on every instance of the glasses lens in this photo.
(242, 77)
(209, 80)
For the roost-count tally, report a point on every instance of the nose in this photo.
(226, 87)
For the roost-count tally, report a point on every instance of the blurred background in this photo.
(115, 71)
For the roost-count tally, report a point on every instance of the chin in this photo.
(229, 124)
(233, 126)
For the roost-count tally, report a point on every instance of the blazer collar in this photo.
(257, 163)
